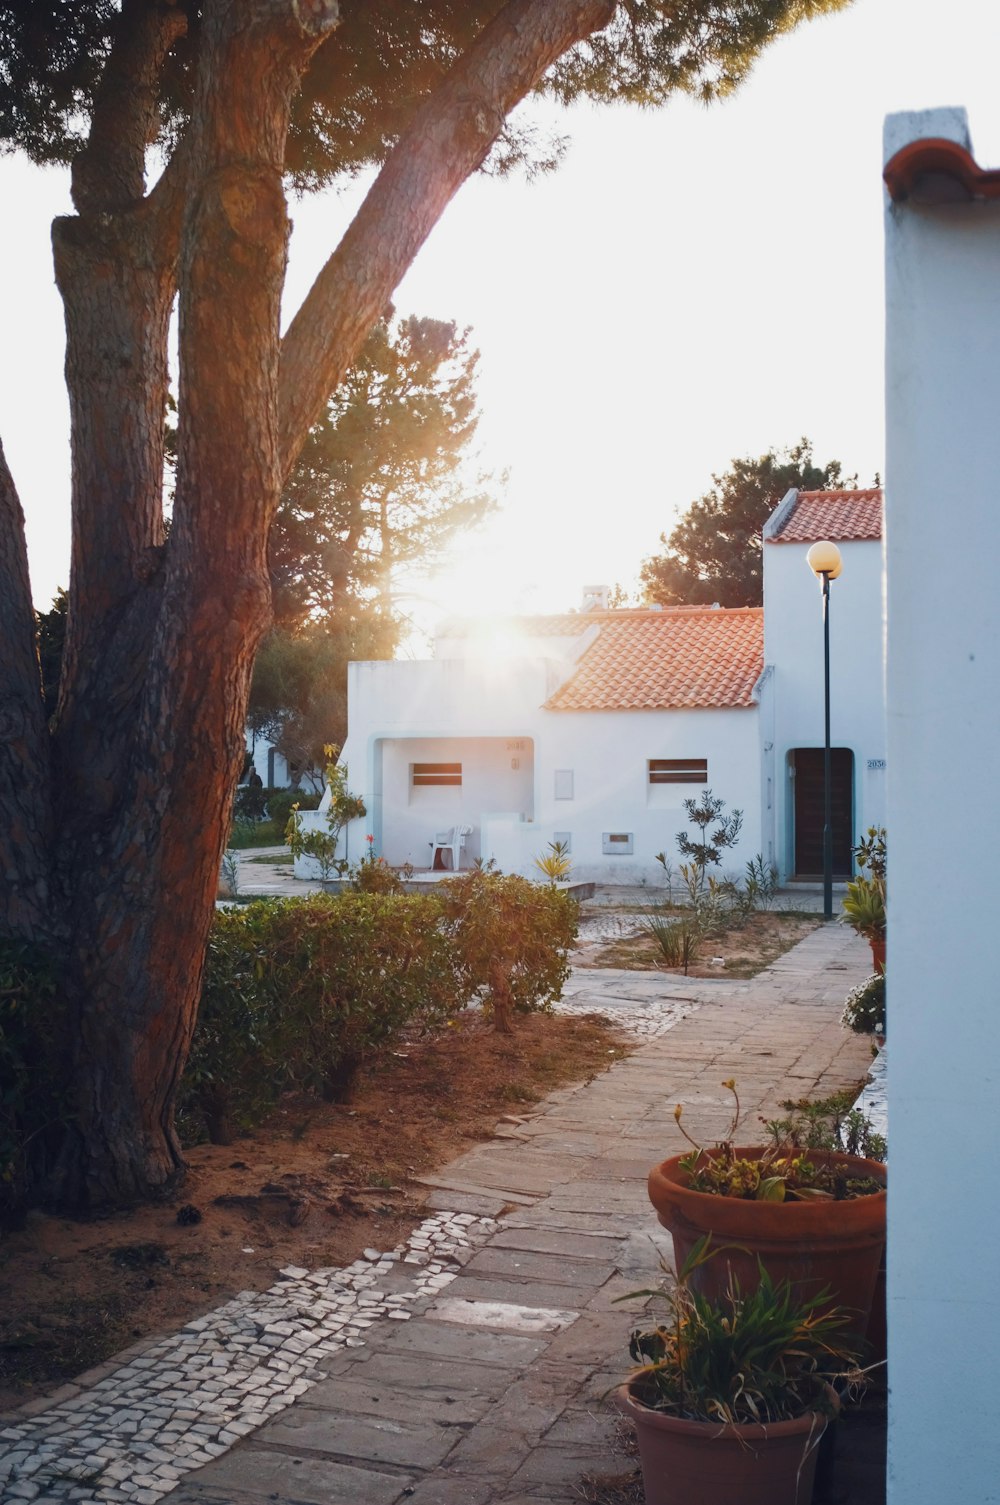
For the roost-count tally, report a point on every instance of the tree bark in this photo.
(25, 809)
(141, 921)
(447, 141)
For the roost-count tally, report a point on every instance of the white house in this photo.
(943, 699)
(592, 727)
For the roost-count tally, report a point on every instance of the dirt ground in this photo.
(314, 1186)
(741, 951)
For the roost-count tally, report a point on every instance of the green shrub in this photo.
(249, 802)
(864, 1008)
(280, 802)
(254, 833)
(297, 993)
(677, 940)
(373, 875)
(33, 1097)
(236, 1069)
(511, 937)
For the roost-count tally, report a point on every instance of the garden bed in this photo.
(747, 946)
(313, 1186)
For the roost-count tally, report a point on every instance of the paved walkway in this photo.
(470, 1366)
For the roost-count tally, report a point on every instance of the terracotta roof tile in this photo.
(562, 625)
(841, 516)
(659, 660)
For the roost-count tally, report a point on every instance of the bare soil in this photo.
(313, 1186)
(742, 950)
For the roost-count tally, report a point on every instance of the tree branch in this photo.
(447, 140)
(25, 808)
(109, 174)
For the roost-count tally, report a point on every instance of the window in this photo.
(678, 770)
(436, 773)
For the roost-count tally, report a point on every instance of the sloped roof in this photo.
(841, 516)
(682, 656)
(568, 624)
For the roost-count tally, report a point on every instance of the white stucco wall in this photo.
(793, 647)
(943, 506)
(608, 752)
(488, 715)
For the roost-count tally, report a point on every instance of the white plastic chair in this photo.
(453, 841)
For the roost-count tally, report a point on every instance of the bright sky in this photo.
(690, 286)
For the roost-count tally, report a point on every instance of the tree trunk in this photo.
(148, 741)
(144, 881)
(501, 999)
(25, 811)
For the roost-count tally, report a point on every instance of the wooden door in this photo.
(807, 765)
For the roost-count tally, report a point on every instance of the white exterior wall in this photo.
(483, 714)
(793, 648)
(262, 762)
(607, 753)
(489, 715)
(943, 505)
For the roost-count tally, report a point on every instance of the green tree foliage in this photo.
(707, 847)
(379, 485)
(714, 554)
(385, 59)
(378, 489)
(298, 695)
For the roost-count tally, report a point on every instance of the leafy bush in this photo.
(763, 1355)
(280, 802)
(864, 906)
(677, 940)
(249, 802)
(512, 938)
(297, 993)
(708, 845)
(555, 864)
(343, 808)
(32, 1081)
(373, 875)
(828, 1123)
(864, 1009)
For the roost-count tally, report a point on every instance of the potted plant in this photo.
(864, 906)
(734, 1395)
(864, 1008)
(813, 1217)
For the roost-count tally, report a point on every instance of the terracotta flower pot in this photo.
(877, 944)
(813, 1244)
(710, 1463)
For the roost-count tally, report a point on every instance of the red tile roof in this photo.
(569, 624)
(682, 656)
(843, 516)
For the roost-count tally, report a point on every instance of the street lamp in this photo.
(825, 562)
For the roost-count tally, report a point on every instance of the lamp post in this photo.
(825, 562)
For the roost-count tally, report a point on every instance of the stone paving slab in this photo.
(349, 1385)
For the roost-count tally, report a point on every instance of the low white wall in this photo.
(943, 501)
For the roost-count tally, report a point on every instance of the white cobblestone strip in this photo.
(874, 1099)
(188, 1398)
(649, 1020)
